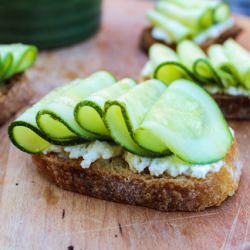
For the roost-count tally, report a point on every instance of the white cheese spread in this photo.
(89, 152)
(159, 34)
(213, 31)
(172, 165)
(234, 91)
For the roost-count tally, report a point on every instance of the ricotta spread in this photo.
(159, 34)
(213, 31)
(234, 91)
(89, 152)
(172, 165)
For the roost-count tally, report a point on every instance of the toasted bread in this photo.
(234, 107)
(14, 94)
(113, 180)
(146, 39)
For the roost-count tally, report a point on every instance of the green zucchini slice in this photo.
(196, 18)
(221, 12)
(89, 113)
(124, 115)
(225, 69)
(167, 64)
(240, 59)
(189, 52)
(174, 29)
(56, 118)
(196, 60)
(27, 138)
(5, 63)
(25, 134)
(187, 121)
(23, 57)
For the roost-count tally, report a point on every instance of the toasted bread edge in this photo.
(14, 95)
(113, 180)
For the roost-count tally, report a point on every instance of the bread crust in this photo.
(113, 180)
(234, 107)
(146, 39)
(14, 95)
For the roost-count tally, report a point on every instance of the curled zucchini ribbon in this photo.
(15, 58)
(89, 113)
(183, 121)
(166, 64)
(125, 114)
(51, 120)
(181, 20)
(225, 65)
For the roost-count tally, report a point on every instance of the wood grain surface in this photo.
(35, 214)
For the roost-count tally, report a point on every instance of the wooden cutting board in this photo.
(35, 214)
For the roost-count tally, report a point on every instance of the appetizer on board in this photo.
(205, 22)
(148, 144)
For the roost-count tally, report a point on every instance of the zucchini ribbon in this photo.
(224, 65)
(15, 58)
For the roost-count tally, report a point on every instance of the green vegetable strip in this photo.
(148, 120)
(89, 113)
(227, 65)
(159, 54)
(166, 64)
(175, 30)
(187, 121)
(224, 68)
(5, 63)
(191, 4)
(189, 53)
(124, 115)
(196, 18)
(240, 59)
(23, 57)
(221, 11)
(56, 119)
(196, 60)
(24, 132)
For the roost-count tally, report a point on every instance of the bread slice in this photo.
(113, 180)
(14, 95)
(146, 39)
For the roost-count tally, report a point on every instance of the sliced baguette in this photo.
(113, 180)
(14, 95)
(146, 39)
